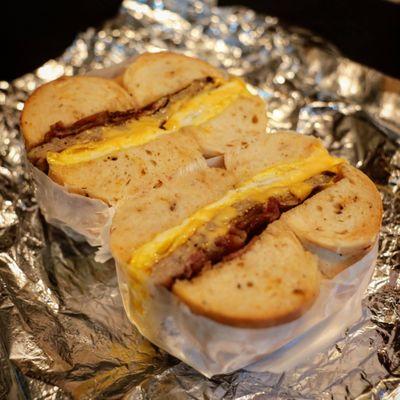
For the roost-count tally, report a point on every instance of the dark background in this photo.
(366, 31)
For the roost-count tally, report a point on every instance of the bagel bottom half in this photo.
(275, 281)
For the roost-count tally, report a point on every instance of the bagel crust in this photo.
(344, 218)
(154, 75)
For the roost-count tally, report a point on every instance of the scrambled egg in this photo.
(273, 181)
(191, 111)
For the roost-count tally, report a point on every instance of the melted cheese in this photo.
(206, 105)
(194, 111)
(274, 181)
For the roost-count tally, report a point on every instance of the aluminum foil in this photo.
(63, 331)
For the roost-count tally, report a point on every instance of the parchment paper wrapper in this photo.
(63, 330)
(213, 348)
(78, 216)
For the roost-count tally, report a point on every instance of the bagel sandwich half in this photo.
(248, 245)
(105, 138)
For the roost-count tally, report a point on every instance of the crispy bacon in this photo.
(107, 118)
(257, 215)
(200, 253)
(104, 118)
(60, 136)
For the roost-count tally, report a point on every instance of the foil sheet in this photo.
(63, 331)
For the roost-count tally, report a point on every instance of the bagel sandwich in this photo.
(106, 138)
(248, 244)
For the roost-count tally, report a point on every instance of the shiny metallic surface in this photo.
(63, 331)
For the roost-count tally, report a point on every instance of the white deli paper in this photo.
(78, 216)
(213, 348)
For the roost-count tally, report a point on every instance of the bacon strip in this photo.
(200, 253)
(107, 118)
(191, 259)
(104, 118)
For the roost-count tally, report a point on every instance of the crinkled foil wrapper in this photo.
(63, 330)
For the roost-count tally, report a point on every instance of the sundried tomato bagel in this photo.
(247, 244)
(167, 113)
